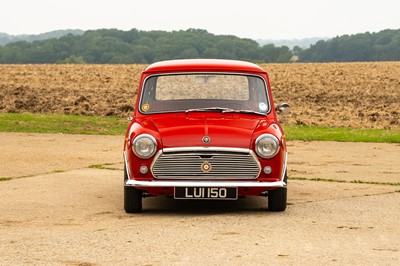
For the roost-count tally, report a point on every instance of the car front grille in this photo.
(206, 164)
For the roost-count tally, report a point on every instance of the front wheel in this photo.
(277, 198)
(132, 197)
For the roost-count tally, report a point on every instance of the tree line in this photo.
(6, 38)
(363, 47)
(112, 46)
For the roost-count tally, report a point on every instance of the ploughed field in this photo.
(357, 95)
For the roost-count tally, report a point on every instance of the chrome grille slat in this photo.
(225, 164)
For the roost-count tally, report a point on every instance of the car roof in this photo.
(203, 65)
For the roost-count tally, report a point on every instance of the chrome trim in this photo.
(126, 167)
(284, 169)
(158, 154)
(201, 148)
(195, 183)
(206, 149)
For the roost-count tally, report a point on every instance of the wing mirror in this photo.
(130, 118)
(283, 109)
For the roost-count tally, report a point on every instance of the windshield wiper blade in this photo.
(223, 110)
(243, 112)
(209, 109)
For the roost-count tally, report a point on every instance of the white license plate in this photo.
(214, 193)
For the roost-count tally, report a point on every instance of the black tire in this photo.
(132, 197)
(277, 198)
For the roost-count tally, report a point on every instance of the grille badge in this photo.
(206, 139)
(206, 167)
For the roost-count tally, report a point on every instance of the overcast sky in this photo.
(258, 19)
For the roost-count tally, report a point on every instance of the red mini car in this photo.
(205, 129)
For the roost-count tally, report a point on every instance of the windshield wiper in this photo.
(223, 110)
(243, 112)
(209, 109)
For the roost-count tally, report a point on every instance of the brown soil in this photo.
(357, 95)
(56, 210)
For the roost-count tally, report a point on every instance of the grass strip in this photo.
(59, 123)
(346, 181)
(105, 166)
(341, 134)
(95, 125)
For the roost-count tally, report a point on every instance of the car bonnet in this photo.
(201, 131)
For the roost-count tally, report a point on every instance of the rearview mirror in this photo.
(206, 79)
(283, 109)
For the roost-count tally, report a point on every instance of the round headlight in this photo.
(267, 146)
(144, 146)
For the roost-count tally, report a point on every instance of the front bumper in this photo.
(195, 183)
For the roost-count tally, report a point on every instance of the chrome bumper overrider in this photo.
(193, 183)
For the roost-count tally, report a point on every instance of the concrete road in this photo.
(64, 206)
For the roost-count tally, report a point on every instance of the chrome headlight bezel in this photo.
(149, 143)
(271, 141)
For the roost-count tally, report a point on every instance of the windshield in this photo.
(204, 92)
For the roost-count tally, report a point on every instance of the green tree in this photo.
(116, 46)
(380, 46)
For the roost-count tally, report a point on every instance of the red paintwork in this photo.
(226, 130)
(200, 65)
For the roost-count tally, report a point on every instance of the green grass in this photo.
(76, 124)
(105, 166)
(345, 181)
(341, 134)
(58, 123)
(58, 171)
